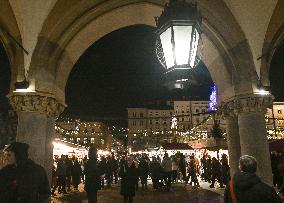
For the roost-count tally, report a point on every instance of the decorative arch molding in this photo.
(8, 26)
(55, 57)
(274, 37)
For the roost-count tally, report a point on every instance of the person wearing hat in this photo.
(22, 180)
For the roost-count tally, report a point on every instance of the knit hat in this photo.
(20, 149)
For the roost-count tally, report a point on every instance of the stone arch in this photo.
(273, 39)
(8, 28)
(234, 57)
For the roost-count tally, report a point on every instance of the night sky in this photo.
(121, 70)
(276, 74)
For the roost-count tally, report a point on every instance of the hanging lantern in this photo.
(178, 35)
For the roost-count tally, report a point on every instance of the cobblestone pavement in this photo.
(178, 194)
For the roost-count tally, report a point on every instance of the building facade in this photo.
(85, 133)
(187, 115)
(274, 119)
(193, 121)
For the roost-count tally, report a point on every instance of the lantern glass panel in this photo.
(167, 47)
(194, 45)
(182, 37)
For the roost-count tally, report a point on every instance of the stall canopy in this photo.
(62, 147)
(176, 146)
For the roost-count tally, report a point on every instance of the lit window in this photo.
(279, 111)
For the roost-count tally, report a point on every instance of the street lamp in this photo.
(178, 35)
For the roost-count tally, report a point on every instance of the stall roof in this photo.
(176, 146)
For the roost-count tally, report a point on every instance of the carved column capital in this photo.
(245, 103)
(36, 102)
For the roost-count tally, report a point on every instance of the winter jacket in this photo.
(156, 170)
(248, 188)
(128, 180)
(143, 168)
(167, 164)
(61, 168)
(27, 183)
(92, 176)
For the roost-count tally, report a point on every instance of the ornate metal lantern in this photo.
(178, 35)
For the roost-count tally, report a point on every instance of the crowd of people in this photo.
(134, 172)
(161, 171)
(22, 180)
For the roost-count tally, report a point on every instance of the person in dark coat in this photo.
(114, 167)
(156, 171)
(143, 169)
(128, 180)
(76, 174)
(182, 167)
(92, 176)
(216, 173)
(247, 186)
(192, 172)
(225, 169)
(203, 166)
(61, 176)
(22, 180)
(208, 169)
(108, 171)
(103, 168)
(69, 166)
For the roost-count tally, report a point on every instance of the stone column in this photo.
(233, 137)
(36, 124)
(250, 109)
(233, 141)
